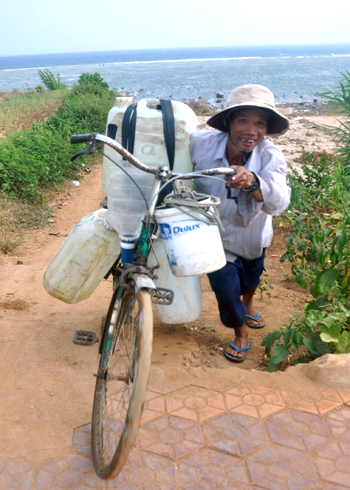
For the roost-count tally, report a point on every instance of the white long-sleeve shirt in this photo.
(247, 222)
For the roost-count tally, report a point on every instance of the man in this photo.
(258, 192)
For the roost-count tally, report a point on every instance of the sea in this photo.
(295, 74)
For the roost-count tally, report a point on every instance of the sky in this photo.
(44, 26)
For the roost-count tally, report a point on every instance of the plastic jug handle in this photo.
(143, 103)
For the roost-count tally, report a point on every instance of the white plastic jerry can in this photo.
(187, 304)
(83, 259)
(149, 144)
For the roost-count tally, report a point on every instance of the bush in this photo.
(340, 98)
(39, 158)
(51, 81)
(91, 83)
(319, 252)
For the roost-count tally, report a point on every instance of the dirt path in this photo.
(47, 384)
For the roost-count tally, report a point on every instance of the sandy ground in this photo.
(47, 382)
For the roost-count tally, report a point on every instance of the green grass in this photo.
(35, 149)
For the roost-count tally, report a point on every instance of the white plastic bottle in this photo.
(187, 304)
(149, 146)
(128, 204)
(83, 259)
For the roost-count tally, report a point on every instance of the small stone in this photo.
(19, 262)
(219, 95)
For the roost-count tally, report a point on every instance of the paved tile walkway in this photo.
(248, 437)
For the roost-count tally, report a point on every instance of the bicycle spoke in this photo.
(121, 386)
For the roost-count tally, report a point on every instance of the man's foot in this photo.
(254, 318)
(235, 354)
(240, 342)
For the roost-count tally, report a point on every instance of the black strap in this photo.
(169, 130)
(112, 131)
(129, 128)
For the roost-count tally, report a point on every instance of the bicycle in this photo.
(125, 342)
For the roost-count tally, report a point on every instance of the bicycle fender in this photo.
(143, 281)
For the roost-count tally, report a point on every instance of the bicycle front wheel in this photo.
(121, 385)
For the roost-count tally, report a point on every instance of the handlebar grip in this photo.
(80, 138)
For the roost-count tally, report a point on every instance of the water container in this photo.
(187, 304)
(127, 202)
(83, 259)
(149, 146)
(192, 245)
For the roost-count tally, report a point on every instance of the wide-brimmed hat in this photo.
(252, 97)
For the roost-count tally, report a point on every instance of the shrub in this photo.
(39, 158)
(340, 98)
(319, 252)
(51, 81)
(91, 84)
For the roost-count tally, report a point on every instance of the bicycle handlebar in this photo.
(81, 138)
(88, 138)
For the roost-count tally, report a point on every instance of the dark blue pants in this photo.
(230, 283)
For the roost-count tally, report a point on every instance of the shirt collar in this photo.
(221, 153)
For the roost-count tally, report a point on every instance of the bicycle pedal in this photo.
(83, 337)
(162, 296)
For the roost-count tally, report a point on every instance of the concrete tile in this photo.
(237, 436)
(339, 423)
(318, 401)
(256, 401)
(212, 467)
(171, 437)
(43, 480)
(5, 481)
(298, 430)
(195, 403)
(14, 467)
(23, 481)
(69, 479)
(334, 465)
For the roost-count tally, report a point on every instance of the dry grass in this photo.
(18, 110)
(18, 215)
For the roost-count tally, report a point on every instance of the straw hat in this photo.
(252, 97)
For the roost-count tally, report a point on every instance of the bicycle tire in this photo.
(121, 385)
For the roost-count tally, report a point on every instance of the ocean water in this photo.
(293, 73)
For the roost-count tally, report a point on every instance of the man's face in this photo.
(247, 128)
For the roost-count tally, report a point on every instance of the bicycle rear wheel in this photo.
(121, 385)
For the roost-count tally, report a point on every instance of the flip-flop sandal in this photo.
(235, 358)
(256, 318)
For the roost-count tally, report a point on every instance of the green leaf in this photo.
(301, 360)
(310, 344)
(294, 338)
(321, 303)
(271, 338)
(321, 348)
(303, 279)
(279, 354)
(342, 347)
(287, 337)
(272, 368)
(301, 245)
(330, 334)
(326, 280)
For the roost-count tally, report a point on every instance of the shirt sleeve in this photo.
(273, 186)
(273, 181)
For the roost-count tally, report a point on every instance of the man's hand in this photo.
(243, 177)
